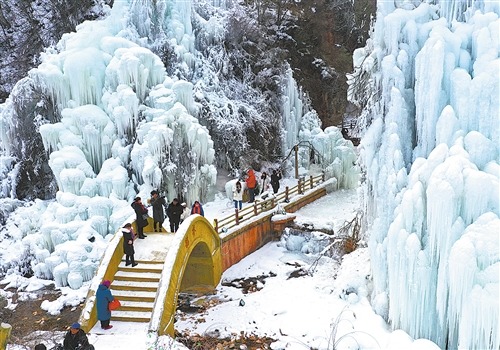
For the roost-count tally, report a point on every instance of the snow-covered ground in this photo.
(326, 308)
(314, 311)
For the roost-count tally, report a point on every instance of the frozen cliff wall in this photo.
(431, 158)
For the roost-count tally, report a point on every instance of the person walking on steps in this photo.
(197, 209)
(103, 297)
(174, 212)
(158, 203)
(141, 213)
(251, 184)
(128, 244)
(76, 339)
(237, 195)
(275, 180)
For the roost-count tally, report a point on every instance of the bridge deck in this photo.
(154, 247)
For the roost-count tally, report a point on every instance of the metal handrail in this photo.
(260, 206)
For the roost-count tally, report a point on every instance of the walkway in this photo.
(133, 286)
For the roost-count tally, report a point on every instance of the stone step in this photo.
(130, 316)
(136, 275)
(134, 285)
(144, 296)
(143, 266)
(132, 305)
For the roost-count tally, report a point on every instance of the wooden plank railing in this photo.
(260, 206)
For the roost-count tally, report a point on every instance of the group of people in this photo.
(255, 187)
(175, 210)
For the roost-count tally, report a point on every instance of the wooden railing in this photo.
(260, 206)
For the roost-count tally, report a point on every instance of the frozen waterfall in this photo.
(431, 156)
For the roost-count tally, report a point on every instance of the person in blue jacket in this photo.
(103, 297)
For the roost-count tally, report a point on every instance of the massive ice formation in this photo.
(124, 127)
(431, 158)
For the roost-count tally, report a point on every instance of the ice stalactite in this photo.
(293, 110)
(61, 272)
(326, 148)
(136, 67)
(166, 145)
(123, 108)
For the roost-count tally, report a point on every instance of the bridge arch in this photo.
(193, 264)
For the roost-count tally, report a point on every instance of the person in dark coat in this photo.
(158, 203)
(174, 212)
(197, 209)
(275, 180)
(128, 244)
(141, 213)
(103, 297)
(76, 339)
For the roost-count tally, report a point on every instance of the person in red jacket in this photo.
(197, 208)
(251, 182)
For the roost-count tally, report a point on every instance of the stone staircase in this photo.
(136, 289)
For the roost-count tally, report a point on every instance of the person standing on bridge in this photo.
(128, 244)
(275, 180)
(174, 212)
(197, 209)
(141, 213)
(237, 195)
(265, 182)
(158, 203)
(103, 297)
(251, 184)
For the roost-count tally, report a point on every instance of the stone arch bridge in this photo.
(191, 261)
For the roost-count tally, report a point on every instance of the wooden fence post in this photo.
(237, 217)
(299, 187)
(323, 177)
(5, 329)
(216, 225)
(286, 194)
(311, 181)
(254, 208)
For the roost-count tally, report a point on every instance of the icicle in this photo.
(60, 273)
(88, 269)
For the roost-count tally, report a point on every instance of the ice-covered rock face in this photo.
(124, 127)
(432, 173)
